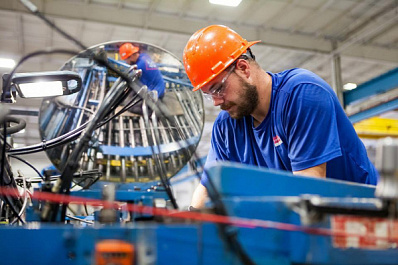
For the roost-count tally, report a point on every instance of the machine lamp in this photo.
(42, 84)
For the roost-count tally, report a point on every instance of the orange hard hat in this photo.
(127, 49)
(210, 51)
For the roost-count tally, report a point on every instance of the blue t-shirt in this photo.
(305, 127)
(151, 76)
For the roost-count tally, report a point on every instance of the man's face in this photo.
(239, 98)
(133, 58)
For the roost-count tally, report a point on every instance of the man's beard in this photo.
(248, 101)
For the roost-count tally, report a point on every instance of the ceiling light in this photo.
(350, 86)
(7, 63)
(226, 2)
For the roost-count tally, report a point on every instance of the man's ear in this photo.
(243, 68)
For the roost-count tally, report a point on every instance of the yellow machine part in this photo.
(377, 127)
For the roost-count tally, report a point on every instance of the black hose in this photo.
(20, 124)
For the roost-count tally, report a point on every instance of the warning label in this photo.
(366, 233)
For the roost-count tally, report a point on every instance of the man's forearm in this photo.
(199, 197)
(317, 171)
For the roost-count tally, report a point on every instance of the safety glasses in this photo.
(218, 89)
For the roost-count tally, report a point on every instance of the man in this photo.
(291, 120)
(151, 76)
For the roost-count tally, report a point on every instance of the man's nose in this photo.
(217, 101)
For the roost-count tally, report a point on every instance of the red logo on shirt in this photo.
(277, 140)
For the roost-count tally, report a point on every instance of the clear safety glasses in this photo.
(218, 89)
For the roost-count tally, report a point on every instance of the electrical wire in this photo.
(8, 145)
(39, 180)
(60, 140)
(29, 164)
(85, 208)
(161, 169)
(3, 170)
(32, 8)
(25, 203)
(69, 136)
(79, 219)
(60, 104)
(26, 195)
(77, 183)
(3, 155)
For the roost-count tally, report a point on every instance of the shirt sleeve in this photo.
(312, 128)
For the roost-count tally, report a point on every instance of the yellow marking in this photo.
(376, 127)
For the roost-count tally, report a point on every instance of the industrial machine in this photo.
(108, 199)
(277, 218)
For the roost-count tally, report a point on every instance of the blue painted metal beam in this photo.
(147, 150)
(391, 105)
(378, 85)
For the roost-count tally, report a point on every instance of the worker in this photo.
(289, 121)
(151, 76)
